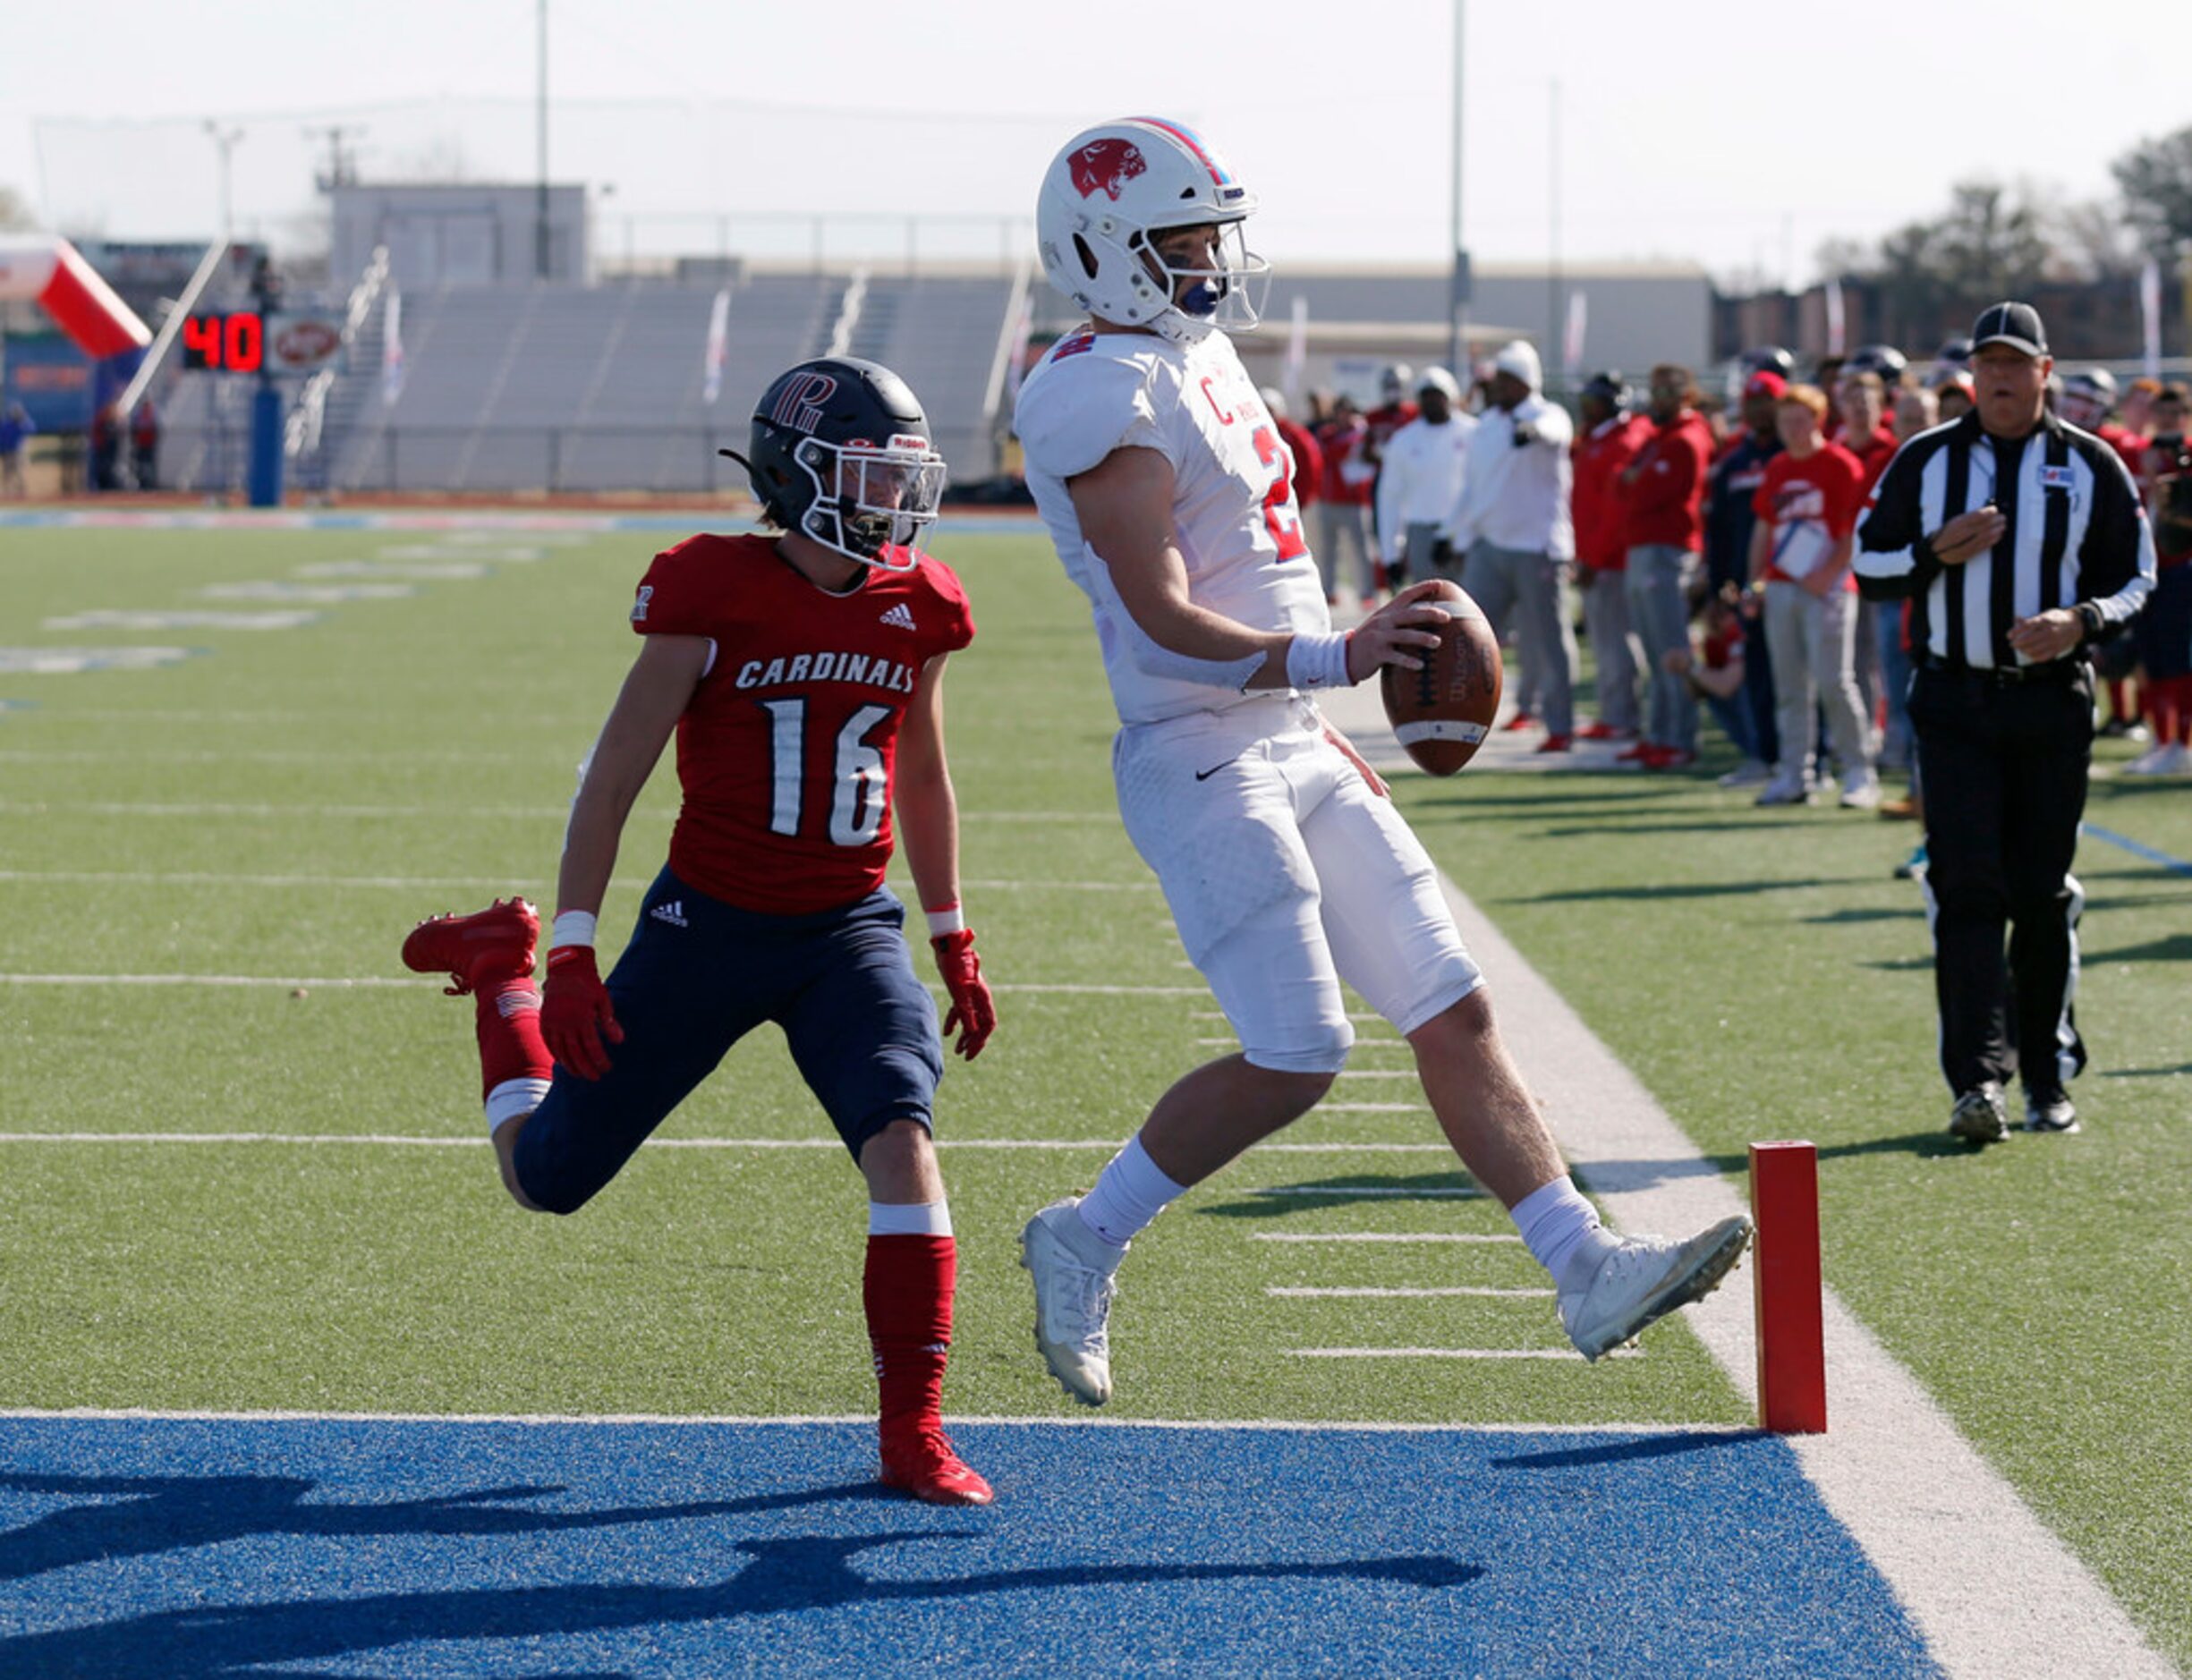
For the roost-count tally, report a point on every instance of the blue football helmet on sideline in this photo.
(839, 452)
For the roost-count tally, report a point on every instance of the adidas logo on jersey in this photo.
(672, 913)
(900, 615)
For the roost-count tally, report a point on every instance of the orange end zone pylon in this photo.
(1792, 1354)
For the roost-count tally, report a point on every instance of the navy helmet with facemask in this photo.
(839, 452)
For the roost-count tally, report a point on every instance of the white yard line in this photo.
(1454, 1353)
(1304, 1293)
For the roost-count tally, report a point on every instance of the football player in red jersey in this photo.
(802, 674)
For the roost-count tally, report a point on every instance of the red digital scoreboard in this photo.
(225, 343)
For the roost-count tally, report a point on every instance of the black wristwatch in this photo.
(2089, 617)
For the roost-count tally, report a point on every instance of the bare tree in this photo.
(2155, 177)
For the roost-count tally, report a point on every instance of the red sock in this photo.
(907, 1292)
(507, 1016)
(2118, 702)
(2171, 704)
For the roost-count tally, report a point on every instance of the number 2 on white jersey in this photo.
(1280, 516)
(857, 774)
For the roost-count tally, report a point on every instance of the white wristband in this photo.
(1318, 661)
(949, 919)
(571, 927)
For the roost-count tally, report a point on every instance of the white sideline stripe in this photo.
(1378, 1237)
(405, 1139)
(862, 1420)
(1892, 1468)
(1455, 1353)
(1359, 1190)
(1305, 1293)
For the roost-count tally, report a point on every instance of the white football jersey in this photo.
(1234, 513)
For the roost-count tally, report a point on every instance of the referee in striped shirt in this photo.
(2018, 540)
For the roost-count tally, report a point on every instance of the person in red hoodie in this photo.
(1609, 439)
(1662, 495)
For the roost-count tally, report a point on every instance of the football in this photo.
(1443, 713)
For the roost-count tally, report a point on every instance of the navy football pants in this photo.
(697, 977)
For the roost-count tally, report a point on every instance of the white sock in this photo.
(909, 1219)
(1562, 1231)
(1130, 1192)
(513, 1100)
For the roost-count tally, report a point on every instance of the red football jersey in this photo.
(786, 751)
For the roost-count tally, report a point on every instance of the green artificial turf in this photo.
(285, 803)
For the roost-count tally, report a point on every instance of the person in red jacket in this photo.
(1301, 444)
(1344, 487)
(1608, 441)
(1662, 494)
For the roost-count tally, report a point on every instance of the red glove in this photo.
(974, 1012)
(576, 1013)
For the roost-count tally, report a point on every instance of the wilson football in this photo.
(1443, 713)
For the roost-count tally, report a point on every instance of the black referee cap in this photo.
(2016, 324)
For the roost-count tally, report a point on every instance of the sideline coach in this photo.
(2018, 540)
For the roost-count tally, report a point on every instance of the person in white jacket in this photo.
(1420, 483)
(1512, 522)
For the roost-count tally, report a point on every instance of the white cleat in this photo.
(1073, 1301)
(1646, 1279)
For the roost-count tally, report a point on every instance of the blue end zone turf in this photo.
(206, 1547)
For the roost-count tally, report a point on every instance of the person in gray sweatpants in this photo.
(1664, 490)
(1512, 522)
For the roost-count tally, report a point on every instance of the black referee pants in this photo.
(2004, 768)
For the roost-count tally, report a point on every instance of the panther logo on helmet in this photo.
(1106, 166)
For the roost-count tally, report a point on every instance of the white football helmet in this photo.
(1109, 192)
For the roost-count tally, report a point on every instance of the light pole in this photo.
(225, 139)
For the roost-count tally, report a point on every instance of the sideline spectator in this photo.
(1916, 410)
(2138, 403)
(1608, 441)
(1419, 485)
(1343, 511)
(1713, 668)
(106, 430)
(1883, 673)
(2089, 399)
(1664, 497)
(1513, 524)
(15, 427)
(2085, 397)
(1807, 508)
(2164, 630)
(1394, 411)
(1730, 490)
(1954, 394)
(144, 445)
(2003, 706)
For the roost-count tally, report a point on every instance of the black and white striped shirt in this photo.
(2078, 535)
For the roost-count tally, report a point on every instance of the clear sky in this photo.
(1737, 135)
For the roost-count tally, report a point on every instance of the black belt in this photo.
(2008, 675)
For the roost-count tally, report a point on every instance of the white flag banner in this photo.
(1571, 344)
(1838, 324)
(719, 347)
(1297, 353)
(2150, 307)
(391, 352)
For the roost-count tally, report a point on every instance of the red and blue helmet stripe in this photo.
(1229, 189)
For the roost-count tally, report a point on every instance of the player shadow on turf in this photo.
(140, 1516)
(1360, 1187)
(2176, 947)
(1649, 1446)
(785, 1576)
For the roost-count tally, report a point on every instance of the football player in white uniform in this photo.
(1168, 496)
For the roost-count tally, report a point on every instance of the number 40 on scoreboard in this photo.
(225, 343)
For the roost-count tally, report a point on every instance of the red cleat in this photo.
(1671, 758)
(1555, 743)
(924, 1466)
(1520, 720)
(1599, 729)
(494, 944)
(1642, 753)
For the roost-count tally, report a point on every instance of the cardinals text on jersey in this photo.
(1235, 517)
(786, 751)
